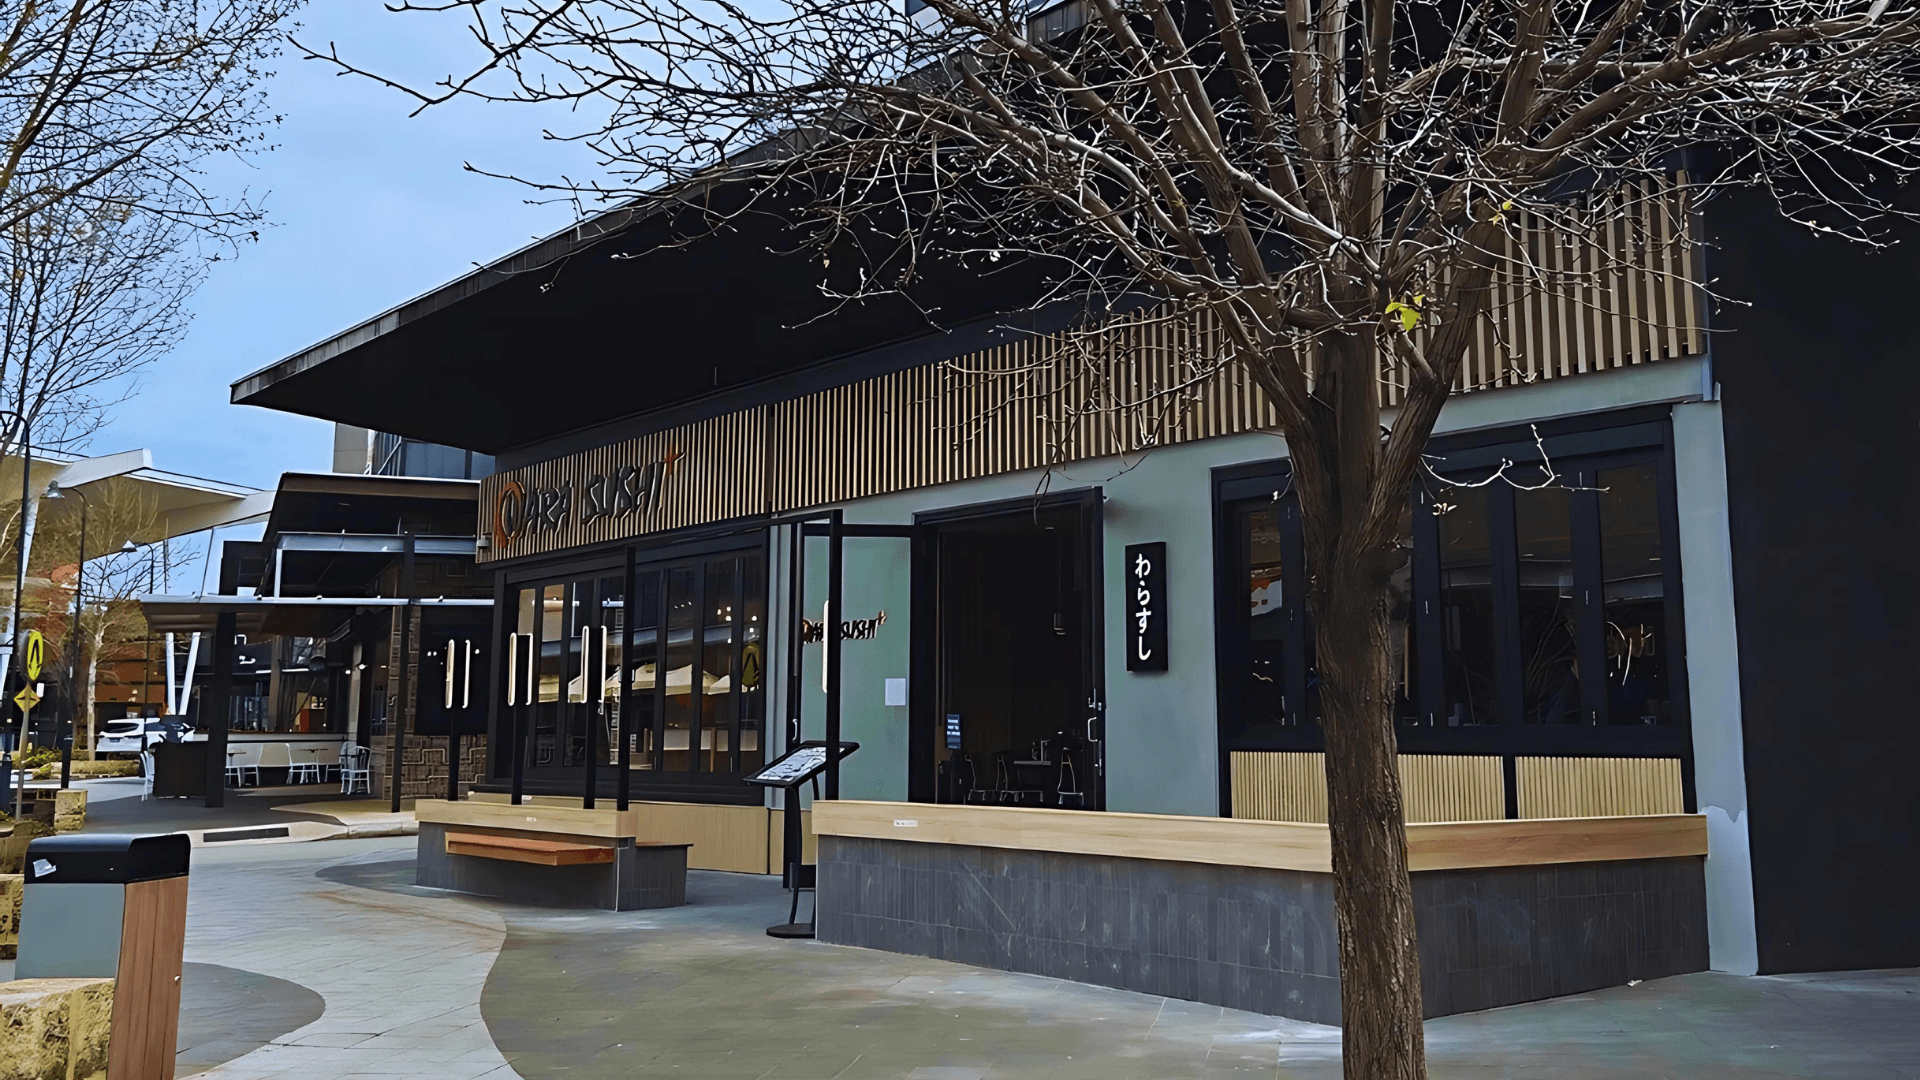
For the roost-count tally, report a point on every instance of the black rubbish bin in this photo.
(112, 907)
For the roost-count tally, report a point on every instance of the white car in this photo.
(135, 733)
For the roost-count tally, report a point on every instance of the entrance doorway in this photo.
(1017, 649)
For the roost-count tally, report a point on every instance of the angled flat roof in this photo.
(622, 316)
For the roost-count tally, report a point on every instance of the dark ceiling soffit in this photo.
(538, 255)
(883, 359)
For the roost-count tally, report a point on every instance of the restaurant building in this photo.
(1640, 705)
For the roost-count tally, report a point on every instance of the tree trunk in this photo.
(1352, 551)
(1380, 1002)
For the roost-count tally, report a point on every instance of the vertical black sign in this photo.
(1147, 607)
(953, 731)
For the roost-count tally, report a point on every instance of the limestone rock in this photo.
(55, 1029)
(12, 890)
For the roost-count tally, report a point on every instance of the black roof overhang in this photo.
(575, 332)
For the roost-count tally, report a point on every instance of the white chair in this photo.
(301, 771)
(275, 755)
(146, 774)
(354, 770)
(237, 769)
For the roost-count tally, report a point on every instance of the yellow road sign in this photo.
(36, 654)
(26, 699)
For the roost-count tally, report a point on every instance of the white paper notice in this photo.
(896, 691)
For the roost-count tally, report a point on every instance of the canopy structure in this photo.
(182, 504)
(262, 615)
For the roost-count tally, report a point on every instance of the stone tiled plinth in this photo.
(1260, 940)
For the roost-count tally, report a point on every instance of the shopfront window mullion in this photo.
(1429, 612)
(734, 687)
(696, 691)
(1298, 635)
(1589, 596)
(1504, 559)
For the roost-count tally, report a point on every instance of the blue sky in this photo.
(369, 208)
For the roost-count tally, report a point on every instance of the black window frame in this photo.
(696, 786)
(1585, 443)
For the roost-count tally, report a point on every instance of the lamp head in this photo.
(53, 490)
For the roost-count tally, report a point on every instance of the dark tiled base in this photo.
(638, 877)
(1261, 940)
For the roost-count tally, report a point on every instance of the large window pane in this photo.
(1265, 675)
(1466, 594)
(716, 666)
(550, 674)
(613, 623)
(753, 666)
(1549, 657)
(646, 669)
(683, 585)
(1633, 584)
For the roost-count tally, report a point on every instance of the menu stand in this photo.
(799, 765)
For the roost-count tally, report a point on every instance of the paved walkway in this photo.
(400, 976)
(323, 961)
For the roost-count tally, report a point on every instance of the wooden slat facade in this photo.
(1562, 306)
(1598, 787)
(1287, 786)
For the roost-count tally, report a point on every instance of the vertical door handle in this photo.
(452, 661)
(513, 669)
(530, 674)
(466, 684)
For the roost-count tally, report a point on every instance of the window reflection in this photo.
(1635, 597)
(1466, 596)
(1549, 655)
(1266, 695)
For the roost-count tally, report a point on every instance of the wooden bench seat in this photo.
(527, 850)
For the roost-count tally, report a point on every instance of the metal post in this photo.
(219, 696)
(629, 603)
(74, 650)
(519, 739)
(19, 592)
(831, 642)
(397, 713)
(453, 720)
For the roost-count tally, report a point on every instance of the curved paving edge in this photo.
(401, 975)
(226, 1012)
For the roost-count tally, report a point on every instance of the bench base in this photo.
(636, 876)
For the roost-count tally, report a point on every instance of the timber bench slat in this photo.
(526, 850)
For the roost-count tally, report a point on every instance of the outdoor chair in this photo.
(237, 769)
(1008, 779)
(301, 772)
(146, 774)
(1068, 786)
(276, 756)
(354, 770)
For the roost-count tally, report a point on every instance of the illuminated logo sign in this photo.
(525, 509)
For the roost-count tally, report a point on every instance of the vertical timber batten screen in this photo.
(1562, 306)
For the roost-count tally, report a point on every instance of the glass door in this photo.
(698, 666)
(564, 638)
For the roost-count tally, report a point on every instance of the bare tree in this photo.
(88, 304)
(1334, 184)
(109, 622)
(111, 106)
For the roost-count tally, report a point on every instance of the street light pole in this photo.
(19, 591)
(54, 491)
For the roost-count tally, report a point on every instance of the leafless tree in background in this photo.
(1334, 183)
(108, 110)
